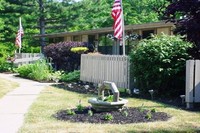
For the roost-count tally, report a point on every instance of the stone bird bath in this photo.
(100, 103)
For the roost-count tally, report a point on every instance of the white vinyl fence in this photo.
(192, 82)
(26, 58)
(99, 68)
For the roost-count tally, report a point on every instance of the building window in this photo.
(56, 40)
(76, 38)
(59, 39)
(146, 34)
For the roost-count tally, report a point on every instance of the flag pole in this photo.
(123, 29)
(20, 24)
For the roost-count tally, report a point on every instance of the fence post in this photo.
(189, 83)
(197, 81)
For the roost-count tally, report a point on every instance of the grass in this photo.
(40, 120)
(6, 86)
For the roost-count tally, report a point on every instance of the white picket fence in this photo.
(192, 82)
(99, 68)
(26, 58)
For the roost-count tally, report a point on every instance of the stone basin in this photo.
(100, 105)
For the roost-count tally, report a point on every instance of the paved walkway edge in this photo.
(15, 104)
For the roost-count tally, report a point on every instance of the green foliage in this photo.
(56, 76)
(40, 71)
(71, 76)
(79, 49)
(90, 113)
(108, 117)
(5, 55)
(68, 15)
(141, 108)
(109, 98)
(6, 67)
(70, 112)
(148, 115)
(153, 110)
(80, 107)
(159, 64)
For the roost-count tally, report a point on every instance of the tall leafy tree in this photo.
(69, 15)
(97, 13)
(186, 15)
(31, 14)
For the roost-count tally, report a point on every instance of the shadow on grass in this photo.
(90, 90)
(167, 131)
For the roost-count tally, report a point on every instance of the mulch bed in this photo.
(125, 116)
(130, 115)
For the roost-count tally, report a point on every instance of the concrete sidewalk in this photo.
(16, 103)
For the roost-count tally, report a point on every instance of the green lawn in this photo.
(6, 86)
(40, 120)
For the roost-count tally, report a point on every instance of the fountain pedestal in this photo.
(99, 104)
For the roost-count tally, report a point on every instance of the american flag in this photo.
(20, 33)
(117, 16)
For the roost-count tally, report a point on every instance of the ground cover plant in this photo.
(6, 86)
(54, 99)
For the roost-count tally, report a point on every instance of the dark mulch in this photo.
(130, 115)
(79, 87)
(134, 115)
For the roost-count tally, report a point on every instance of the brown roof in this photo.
(109, 29)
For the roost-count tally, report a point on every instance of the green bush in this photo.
(71, 77)
(159, 64)
(6, 67)
(40, 71)
(5, 54)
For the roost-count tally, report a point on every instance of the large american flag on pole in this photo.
(20, 33)
(117, 16)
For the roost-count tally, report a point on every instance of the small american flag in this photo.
(117, 16)
(20, 33)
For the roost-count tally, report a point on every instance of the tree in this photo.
(68, 15)
(32, 15)
(186, 15)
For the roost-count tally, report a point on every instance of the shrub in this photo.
(62, 56)
(5, 54)
(159, 64)
(71, 76)
(40, 70)
(24, 70)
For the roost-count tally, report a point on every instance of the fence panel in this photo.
(189, 81)
(99, 68)
(192, 82)
(26, 58)
(197, 81)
